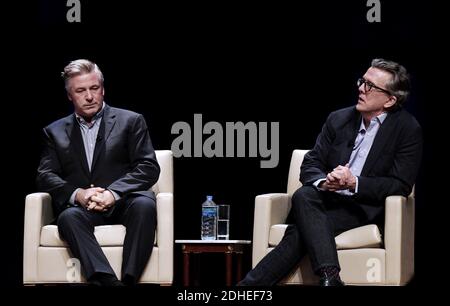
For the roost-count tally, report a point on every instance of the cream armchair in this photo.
(365, 257)
(46, 258)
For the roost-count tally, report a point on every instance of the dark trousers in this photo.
(136, 212)
(318, 217)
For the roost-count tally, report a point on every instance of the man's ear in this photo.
(391, 102)
(69, 97)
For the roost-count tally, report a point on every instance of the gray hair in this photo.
(399, 85)
(79, 67)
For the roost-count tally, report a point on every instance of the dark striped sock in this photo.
(329, 271)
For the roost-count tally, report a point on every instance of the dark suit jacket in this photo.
(124, 160)
(391, 166)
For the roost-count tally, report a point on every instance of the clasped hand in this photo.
(95, 198)
(339, 179)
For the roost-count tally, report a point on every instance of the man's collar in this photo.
(380, 118)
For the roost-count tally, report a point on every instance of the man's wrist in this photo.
(73, 197)
(353, 184)
(77, 196)
(115, 195)
(319, 183)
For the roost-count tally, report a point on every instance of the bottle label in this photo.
(209, 223)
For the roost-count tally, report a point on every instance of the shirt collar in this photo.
(380, 119)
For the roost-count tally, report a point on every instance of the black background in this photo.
(230, 62)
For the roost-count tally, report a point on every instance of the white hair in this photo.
(79, 67)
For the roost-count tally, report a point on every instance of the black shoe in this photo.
(104, 280)
(128, 280)
(326, 281)
(242, 283)
(117, 283)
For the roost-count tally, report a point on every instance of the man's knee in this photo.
(144, 207)
(69, 216)
(291, 234)
(304, 194)
(303, 198)
(69, 220)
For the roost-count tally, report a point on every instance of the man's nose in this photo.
(89, 96)
(362, 89)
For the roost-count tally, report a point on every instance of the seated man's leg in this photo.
(279, 262)
(138, 215)
(76, 227)
(314, 227)
(320, 217)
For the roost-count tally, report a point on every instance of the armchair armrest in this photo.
(270, 209)
(38, 212)
(164, 235)
(399, 239)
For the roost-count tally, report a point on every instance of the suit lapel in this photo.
(76, 143)
(350, 135)
(106, 126)
(379, 143)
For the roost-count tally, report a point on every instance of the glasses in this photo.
(369, 85)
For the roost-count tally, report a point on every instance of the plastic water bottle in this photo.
(209, 219)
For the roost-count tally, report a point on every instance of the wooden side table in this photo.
(228, 247)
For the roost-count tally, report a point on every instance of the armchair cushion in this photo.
(106, 235)
(276, 234)
(367, 236)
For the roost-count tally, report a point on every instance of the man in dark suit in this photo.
(98, 164)
(363, 154)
